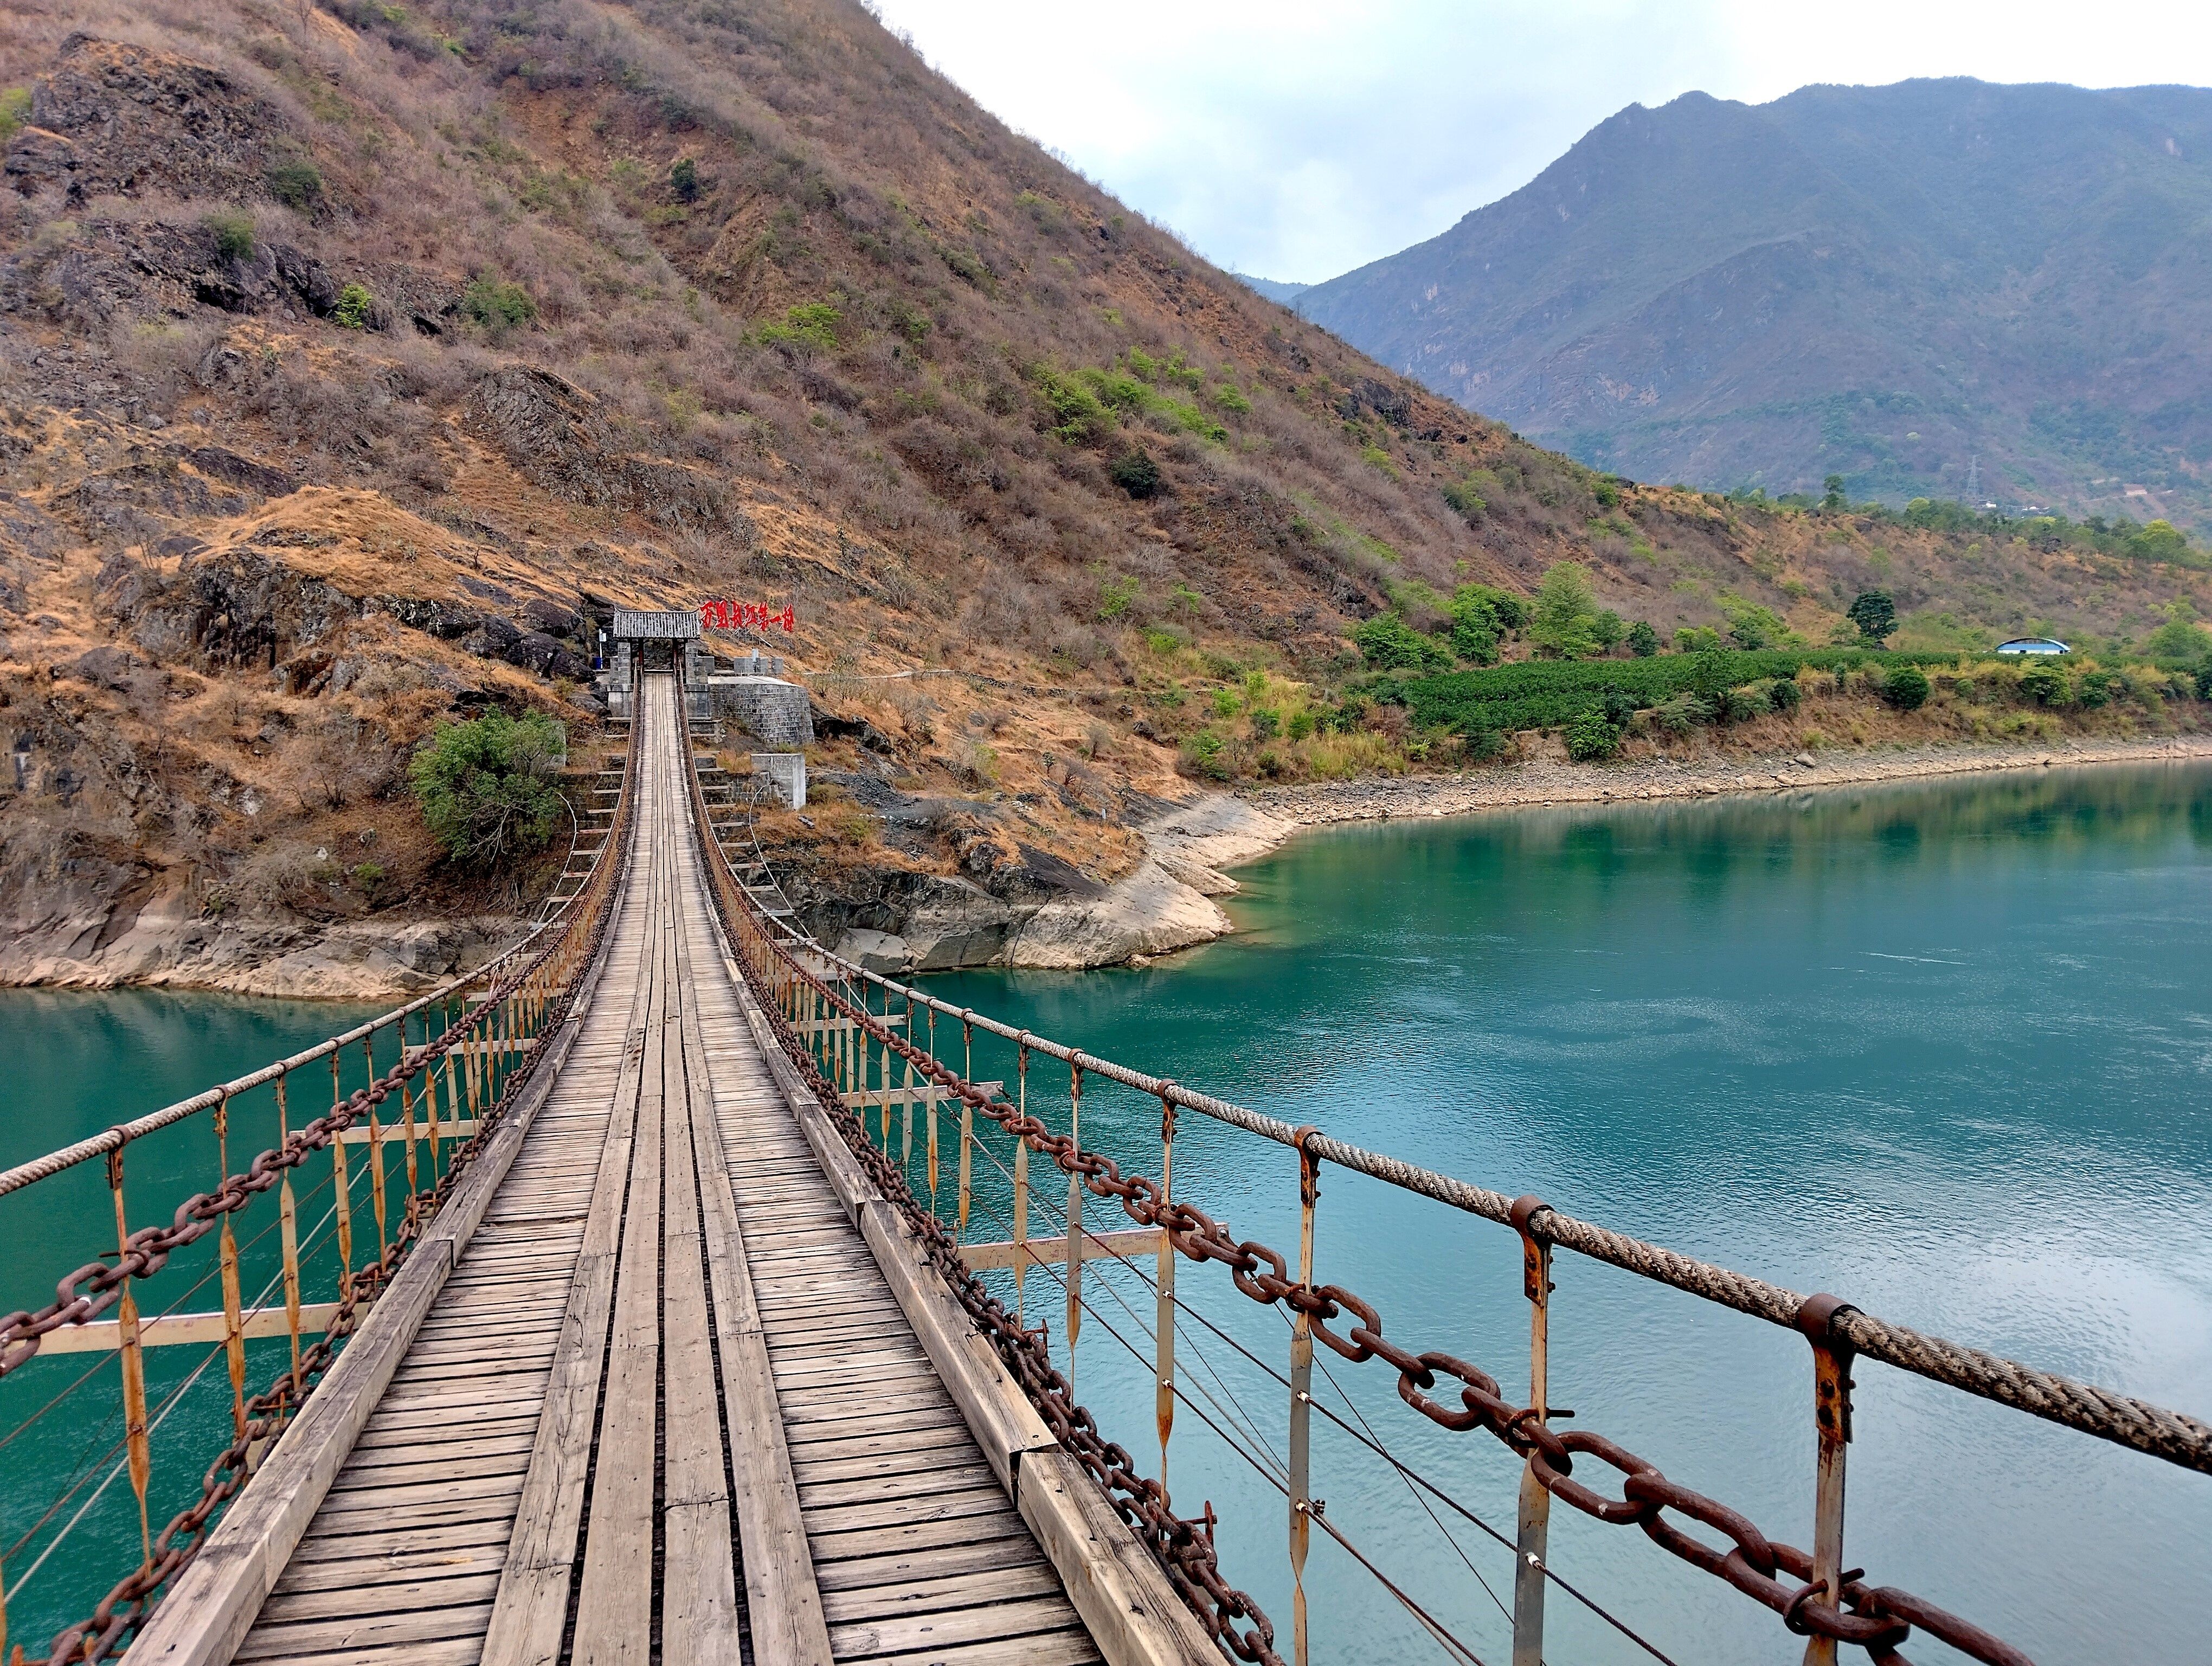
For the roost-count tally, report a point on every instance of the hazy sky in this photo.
(1297, 140)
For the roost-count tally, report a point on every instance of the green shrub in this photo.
(1642, 640)
(1468, 503)
(1114, 595)
(1741, 705)
(233, 233)
(353, 308)
(1680, 713)
(14, 110)
(1750, 625)
(1387, 642)
(1565, 622)
(1590, 737)
(486, 787)
(2096, 688)
(812, 324)
(2046, 684)
(297, 183)
(1229, 400)
(1300, 724)
(1267, 723)
(684, 180)
(1905, 688)
(1696, 638)
(1136, 473)
(498, 306)
(2160, 541)
(1205, 751)
(1785, 694)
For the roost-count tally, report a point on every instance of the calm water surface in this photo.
(71, 1064)
(1942, 1049)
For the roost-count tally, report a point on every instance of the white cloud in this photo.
(1297, 140)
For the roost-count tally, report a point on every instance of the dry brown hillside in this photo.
(352, 354)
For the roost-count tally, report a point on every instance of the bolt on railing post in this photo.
(1164, 1320)
(234, 1327)
(1832, 1416)
(288, 1218)
(1301, 1441)
(1531, 1544)
(139, 1451)
(1074, 1219)
(1021, 1175)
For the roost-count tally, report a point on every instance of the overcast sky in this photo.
(1296, 140)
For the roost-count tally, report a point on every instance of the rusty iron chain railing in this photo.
(1827, 1603)
(530, 988)
(1185, 1549)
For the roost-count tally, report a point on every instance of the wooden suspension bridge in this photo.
(661, 1358)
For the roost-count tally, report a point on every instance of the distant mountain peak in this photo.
(1884, 282)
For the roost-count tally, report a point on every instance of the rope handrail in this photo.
(115, 1138)
(2148, 1427)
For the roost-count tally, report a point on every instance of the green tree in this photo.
(1875, 612)
(1642, 640)
(2160, 541)
(684, 180)
(1832, 489)
(2180, 637)
(486, 787)
(1563, 623)
(2046, 684)
(1751, 626)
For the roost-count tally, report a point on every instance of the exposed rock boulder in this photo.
(556, 433)
(115, 118)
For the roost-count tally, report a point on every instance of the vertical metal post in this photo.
(407, 1118)
(1831, 1417)
(1021, 1176)
(1074, 1219)
(967, 1116)
(1532, 1544)
(134, 1366)
(341, 1190)
(288, 1215)
(906, 1099)
(930, 1112)
(375, 1152)
(233, 1321)
(1301, 1453)
(1164, 1320)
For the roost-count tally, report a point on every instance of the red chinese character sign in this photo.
(745, 615)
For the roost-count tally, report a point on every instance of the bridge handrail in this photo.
(2148, 1427)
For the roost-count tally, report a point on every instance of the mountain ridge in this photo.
(1762, 295)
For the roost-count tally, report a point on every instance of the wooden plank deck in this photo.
(666, 1407)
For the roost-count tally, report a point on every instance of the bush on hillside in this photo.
(498, 306)
(1905, 688)
(487, 786)
(1387, 642)
(233, 233)
(1136, 473)
(1589, 738)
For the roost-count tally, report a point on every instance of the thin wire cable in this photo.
(86, 1473)
(1435, 1627)
(1406, 1472)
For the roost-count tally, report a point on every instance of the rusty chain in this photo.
(1878, 1619)
(1184, 1550)
(125, 1608)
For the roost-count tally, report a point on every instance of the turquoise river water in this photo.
(1941, 1049)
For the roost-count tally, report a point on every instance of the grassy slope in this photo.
(878, 365)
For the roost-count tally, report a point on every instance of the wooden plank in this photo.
(1126, 1601)
(1137, 1240)
(174, 1329)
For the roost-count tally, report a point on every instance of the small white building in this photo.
(2034, 645)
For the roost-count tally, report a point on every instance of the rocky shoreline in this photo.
(1553, 780)
(1167, 904)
